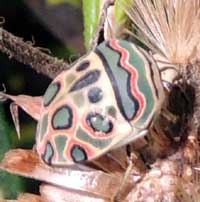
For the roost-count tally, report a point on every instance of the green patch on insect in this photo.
(113, 99)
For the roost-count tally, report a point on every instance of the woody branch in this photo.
(25, 53)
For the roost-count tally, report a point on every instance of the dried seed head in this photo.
(168, 27)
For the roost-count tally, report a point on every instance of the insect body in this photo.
(107, 99)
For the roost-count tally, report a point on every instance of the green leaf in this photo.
(120, 14)
(12, 185)
(91, 10)
(72, 2)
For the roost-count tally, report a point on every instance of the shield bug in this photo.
(107, 99)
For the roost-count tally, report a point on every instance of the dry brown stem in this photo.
(25, 53)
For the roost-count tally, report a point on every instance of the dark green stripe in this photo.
(86, 80)
(120, 80)
(138, 62)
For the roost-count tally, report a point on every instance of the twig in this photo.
(25, 53)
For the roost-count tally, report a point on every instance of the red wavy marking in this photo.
(124, 61)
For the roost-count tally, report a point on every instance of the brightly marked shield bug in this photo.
(107, 99)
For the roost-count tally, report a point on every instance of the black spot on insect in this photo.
(83, 65)
(99, 123)
(48, 154)
(78, 154)
(95, 94)
(62, 118)
(89, 78)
